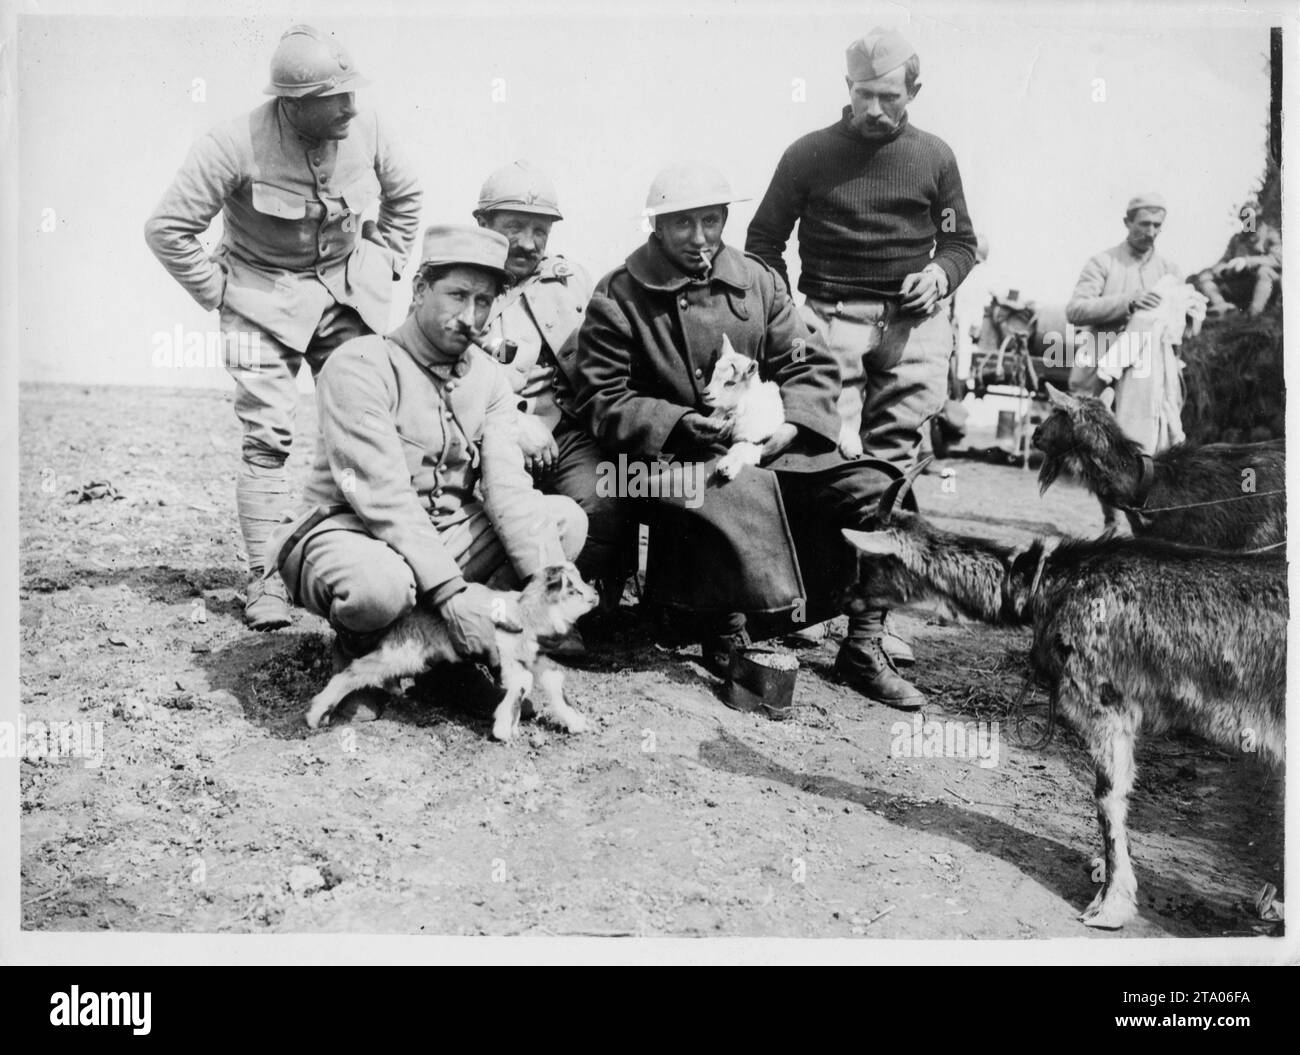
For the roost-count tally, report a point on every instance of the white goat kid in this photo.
(753, 407)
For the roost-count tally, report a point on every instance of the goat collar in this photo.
(1146, 477)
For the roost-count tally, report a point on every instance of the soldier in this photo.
(884, 237)
(1249, 271)
(540, 308)
(298, 271)
(643, 358)
(418, 492)
(1113, 285)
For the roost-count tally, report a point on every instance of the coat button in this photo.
(699, 372)
(684, 303)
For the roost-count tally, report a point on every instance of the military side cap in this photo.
(465, 244)
(1150, 200)
(877, 53)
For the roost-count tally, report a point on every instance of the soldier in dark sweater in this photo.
(884, 237)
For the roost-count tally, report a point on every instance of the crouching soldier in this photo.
(414, 427)
(299, 269)
(643, 357)
(540, 307)
(1250, 269)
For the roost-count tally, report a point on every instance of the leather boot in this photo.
(875, 624)
(864, 666)
(266, 603)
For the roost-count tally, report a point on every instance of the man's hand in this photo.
(1146, 302)
(537, 443)
(696, 430)
(1237, 263)
(779, 441)
(921, 292)
(471, 618)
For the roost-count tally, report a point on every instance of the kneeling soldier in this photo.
(419, 492)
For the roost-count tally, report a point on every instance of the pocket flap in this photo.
(275, 201)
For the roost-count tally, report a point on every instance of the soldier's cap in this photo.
(465, 244)
(1150, 200)
(519, 187)
(876, 54)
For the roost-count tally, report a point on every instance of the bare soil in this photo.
(216, 810)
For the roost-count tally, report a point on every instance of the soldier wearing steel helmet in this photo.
(301, 267)
(539, 309)
(764, 542)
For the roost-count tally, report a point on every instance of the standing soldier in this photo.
(884, 237)
(541, 306)
(299, 270)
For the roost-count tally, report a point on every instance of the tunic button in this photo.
(699, 372)
(684, 303)
(451, 386)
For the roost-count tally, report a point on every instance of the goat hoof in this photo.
(575, 723)
(503, 730)
(1108, 914)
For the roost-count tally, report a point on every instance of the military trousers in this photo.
(362, 584)
(893, 370)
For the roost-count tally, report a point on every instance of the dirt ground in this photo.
(216, 810)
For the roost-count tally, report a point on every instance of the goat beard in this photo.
(1052, 466)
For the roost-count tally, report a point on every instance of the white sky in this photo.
(602, 97)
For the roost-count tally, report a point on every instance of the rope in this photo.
(1211, 502)
(1018, 711)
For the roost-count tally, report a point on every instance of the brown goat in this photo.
(1131, 633)
(1227, 496)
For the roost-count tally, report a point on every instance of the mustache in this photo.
(864, 123)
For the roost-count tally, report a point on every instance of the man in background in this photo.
(1249, 271)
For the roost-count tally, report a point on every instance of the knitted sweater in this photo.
(869, 212)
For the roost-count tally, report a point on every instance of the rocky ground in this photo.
(216, 810)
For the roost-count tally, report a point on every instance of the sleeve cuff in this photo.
(440, 595)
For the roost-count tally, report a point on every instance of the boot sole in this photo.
(268, 623)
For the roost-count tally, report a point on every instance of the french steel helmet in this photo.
(688, 185)
(308, 62)
(520, 188)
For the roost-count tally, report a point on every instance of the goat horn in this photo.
(897, 489)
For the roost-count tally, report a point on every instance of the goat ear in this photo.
(751, 368)
(1060, 399)
(875, 543)
(1108, 397)
(554, 580)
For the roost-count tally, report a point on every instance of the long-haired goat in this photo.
(1130, 632)
(1226, 496)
